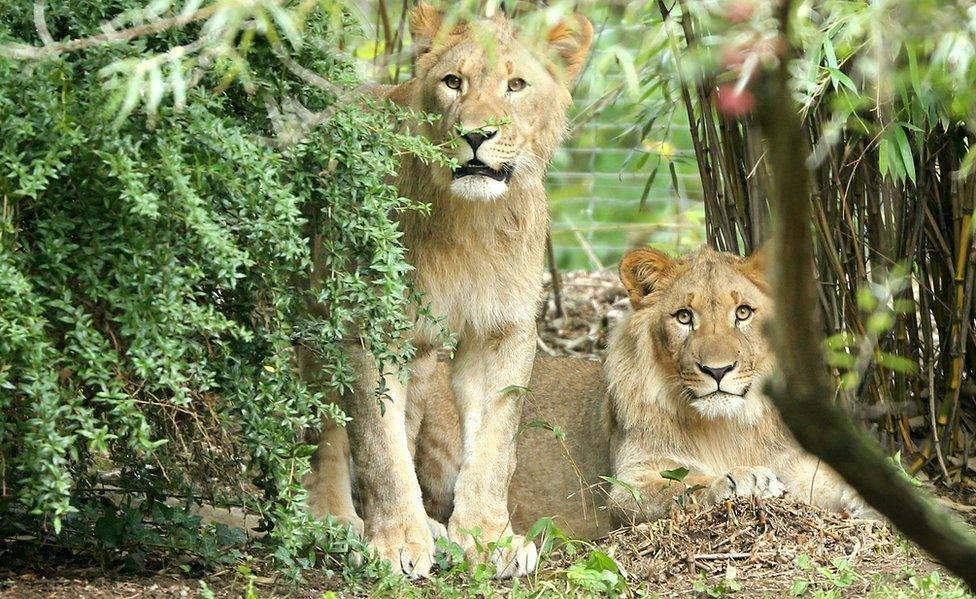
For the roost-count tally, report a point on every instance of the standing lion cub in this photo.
(477, 260)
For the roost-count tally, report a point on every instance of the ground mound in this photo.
(761, 546)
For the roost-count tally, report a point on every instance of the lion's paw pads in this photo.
(416, 560)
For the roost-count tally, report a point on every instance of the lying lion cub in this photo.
(685, 372)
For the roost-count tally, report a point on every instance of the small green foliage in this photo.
(799, 587)
(933, 586)
(841, 573)
(557, 432)
(597, 573)
(449, 557)
(720, 588)
(634, 492)
(155, 272)
(851, 353)
(677, 475)
(896, 460)
(825, 581)
(548, 533)
(205, 591)
(249, 592)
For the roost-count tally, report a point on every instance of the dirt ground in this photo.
(748, 547)
(752, 548)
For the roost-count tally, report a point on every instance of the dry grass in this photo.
(755, 542)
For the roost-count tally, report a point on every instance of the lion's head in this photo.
(501, 98)
(695, 339)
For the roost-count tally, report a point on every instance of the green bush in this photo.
(153, 268)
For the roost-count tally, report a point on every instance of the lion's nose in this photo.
(476, 138)
(717, 372)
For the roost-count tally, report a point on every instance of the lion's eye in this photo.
(452, 81)
(743, 313)
(684, 316)
(516, 85)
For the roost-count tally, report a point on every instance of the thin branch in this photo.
(52, 48)
(40, 23)
(557, 294)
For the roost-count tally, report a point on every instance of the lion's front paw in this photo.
(756, 481)
(354, 522)
(512, 555)
(409, 549)
(516, 558)
(858, 508)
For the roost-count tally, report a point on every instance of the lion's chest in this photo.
(472, 290)
(477, 264)
(719, 449)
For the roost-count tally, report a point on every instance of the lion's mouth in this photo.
(477, 167)
(719, 393)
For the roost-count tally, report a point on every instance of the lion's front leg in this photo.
(807, 479)
(641, 494)
(396, 523)
(643, 491)
(488, 377)
(329, 484)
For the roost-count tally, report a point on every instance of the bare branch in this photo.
(52, 48)
(41, 23)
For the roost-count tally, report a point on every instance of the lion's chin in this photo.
(478, 188)
(720, 405)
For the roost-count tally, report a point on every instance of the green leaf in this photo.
(839, 359)
(799, 588)
(884, 160)
(866, 300)
(880, 322)
(626, 62)
(803, 562)
(678, 474)
(634, 492)
(897, 363)
(542, 424)
(905, 149)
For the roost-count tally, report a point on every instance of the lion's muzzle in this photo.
(477, 167)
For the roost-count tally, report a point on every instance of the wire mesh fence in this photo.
(615, 185)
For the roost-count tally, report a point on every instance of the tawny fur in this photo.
(643, 422)
(732, 444)
(562, 444)
(648, 420)
(477, 260)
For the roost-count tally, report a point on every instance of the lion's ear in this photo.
(571, 39)
(640, 270)
(425, 23)
(754, 265)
